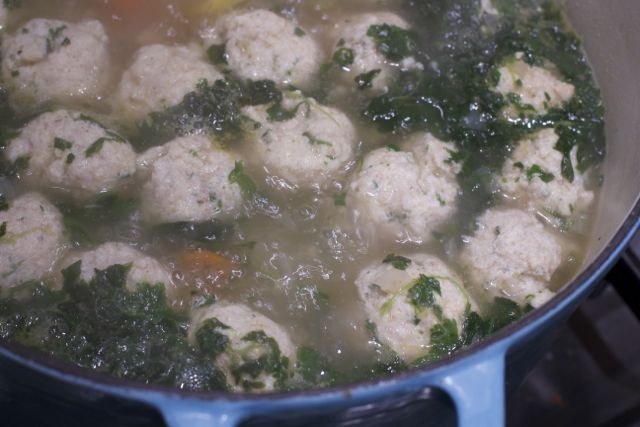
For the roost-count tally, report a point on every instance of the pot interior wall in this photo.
(611, 33)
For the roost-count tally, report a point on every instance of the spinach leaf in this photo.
(422, 293)
(393, 42)
(397, 261)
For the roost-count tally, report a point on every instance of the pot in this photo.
(469, 387)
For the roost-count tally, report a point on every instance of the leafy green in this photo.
(299, 32)
(62, 144)
(4, 204)
(457, 102)
(269, 362)
(393, 42)
(3, 229)
(216, 54)
(343, 57)
(422, 293)
(365, 80)
(340, 199)
(536, 170)
(103, 326)
(211, 338)
(502, 313)
(277, 112)
(54, 34)
(315, 141)
(246, 184)
(314, 368)
(397, 261)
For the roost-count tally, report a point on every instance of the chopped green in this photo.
(211, 338)
(365, 80)
(536, 170)
(216, 54)
(299, 32)
(422, 293)
(95, 147)
(269, 362)
(340, 199)
(3, 229)
(393, 42)
(238, 176)
(54, 34)
(343, 57)
(102, 325)
(277, 113)
(4, 204)
(62, 144)
(70, 158)
(394, 147)
(398, 262)
(519, 165)
(314, 367)
(315, 141)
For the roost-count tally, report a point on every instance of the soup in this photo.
(274, 195)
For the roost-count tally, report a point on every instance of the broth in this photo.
(295, 253)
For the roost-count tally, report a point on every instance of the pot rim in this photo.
(505, 337)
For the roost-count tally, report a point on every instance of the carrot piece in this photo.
(203, 264)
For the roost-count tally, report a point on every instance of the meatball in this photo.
(160, 77)
(48, 60)
(364, 61)
(512, 255)
(32, 239)
(238, 337)
(534, 174)
(405, 194)
(533, 87)
(71, 150)
(144, 269)
(309, 147)
(260, 45)
(405, 297)
(189, 181)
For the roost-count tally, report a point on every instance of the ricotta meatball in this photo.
(365, 58)
(260, 45)
(512, 255)
(71, 150)
(533, 87)
(405, 297)
(160, 76)
(309, 146)
(405, 194)
(189, 180)
(144, 269)
(32, 239)
(534, 174)
(238, 337)
(48, 60)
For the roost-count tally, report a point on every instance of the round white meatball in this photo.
(244, 337)
(48, 60)
(71, 150)
(32, 239)
(307, 149)
(363, 63)
(160, 76)
(260, 45)
(512, 255)
(407, 297)
(144, 269)
(534, 87)
(189, 181)
(406, 194)
(533, 174)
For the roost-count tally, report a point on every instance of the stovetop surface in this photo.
(590, 377)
